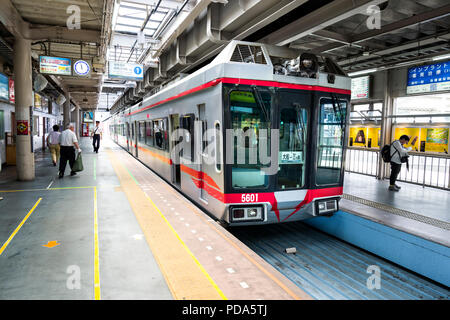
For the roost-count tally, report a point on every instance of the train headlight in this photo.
(252, 213)
(247, 213)
(326, 206)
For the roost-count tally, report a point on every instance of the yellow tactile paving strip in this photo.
(185, 276)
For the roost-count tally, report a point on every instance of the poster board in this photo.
(365, 137)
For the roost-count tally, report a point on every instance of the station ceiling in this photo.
(183, 35)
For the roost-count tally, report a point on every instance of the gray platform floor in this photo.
(28, 270)
(429, 202)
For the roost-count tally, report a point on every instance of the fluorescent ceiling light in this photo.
(447, 56)
(115, 14)
(357, 73)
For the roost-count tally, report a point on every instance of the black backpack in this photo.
(386, 153)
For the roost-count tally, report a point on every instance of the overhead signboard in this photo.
(128, 71)
(360, 88)
(4, 83)
(55, 65)
(429, 78)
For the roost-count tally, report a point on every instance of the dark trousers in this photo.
(67, 154)
(96, 142)
(395, 170)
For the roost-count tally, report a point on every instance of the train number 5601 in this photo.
(249, 197)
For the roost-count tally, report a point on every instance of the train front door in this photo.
(175, 156)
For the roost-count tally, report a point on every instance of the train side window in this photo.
(149, 133)
(2, 125)
(187, 123)
(218, 149)
(160, 133)
(141, 133)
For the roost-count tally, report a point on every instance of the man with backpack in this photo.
(398, 155)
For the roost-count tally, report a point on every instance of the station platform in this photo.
(117, 231)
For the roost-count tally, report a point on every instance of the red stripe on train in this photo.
(264, 83)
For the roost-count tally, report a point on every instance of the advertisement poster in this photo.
(12, 98)
(373, 137)
(37, 102)
(358, 136)
(88, 117)
(436, 139)
(411, 132)
(4, 94)
(55, 65)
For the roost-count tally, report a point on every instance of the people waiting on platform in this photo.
(399, 155)
(68, 141)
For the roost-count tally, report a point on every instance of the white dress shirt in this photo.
(98, 130)
(395, 156)
(67, 138)
(54, 137)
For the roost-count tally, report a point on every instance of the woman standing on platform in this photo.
(53, 144)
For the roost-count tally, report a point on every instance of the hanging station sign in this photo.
(127, 71)
(55, 65)
(360, 88)
(429, 78)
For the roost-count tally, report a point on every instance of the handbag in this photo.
(78, 164)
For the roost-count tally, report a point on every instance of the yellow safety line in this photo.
(202, 269)
(62, 188)
(18, 227)
(96, 251)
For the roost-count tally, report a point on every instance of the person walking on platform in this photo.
(97, 136)
(53, 143)
(68, 141)
(399, 155)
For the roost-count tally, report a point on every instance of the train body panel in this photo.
(307, 114)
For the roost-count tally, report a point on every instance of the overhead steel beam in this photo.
(415, 44)
(408, 22)
(327, 15)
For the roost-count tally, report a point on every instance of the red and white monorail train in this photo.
(293, 109)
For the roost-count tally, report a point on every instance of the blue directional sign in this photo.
(128, 71)
(429, 78)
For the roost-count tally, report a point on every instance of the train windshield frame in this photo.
(330, 141)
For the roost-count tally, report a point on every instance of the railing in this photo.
(427, 170)
(424, 169)
(361, 160)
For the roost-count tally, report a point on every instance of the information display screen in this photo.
(54, 65)
(360, 88)
(429, 78)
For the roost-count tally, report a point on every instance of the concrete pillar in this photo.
(23, 83)
(386, 125)
(77, 121)
(67, 116)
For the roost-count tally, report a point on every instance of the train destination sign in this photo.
(127, 71)
(429, 78)
(55, 65)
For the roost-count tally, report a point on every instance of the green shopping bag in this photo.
(78, 164)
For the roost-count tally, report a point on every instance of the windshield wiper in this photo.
(298, 109)
(259, 101)
(334, 100)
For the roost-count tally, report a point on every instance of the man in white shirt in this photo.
(68, 140)
(53, 143)
(397, 153)
(97, 135)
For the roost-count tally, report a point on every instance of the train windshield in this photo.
(332, 115)
(250, 123)
(292, 140)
